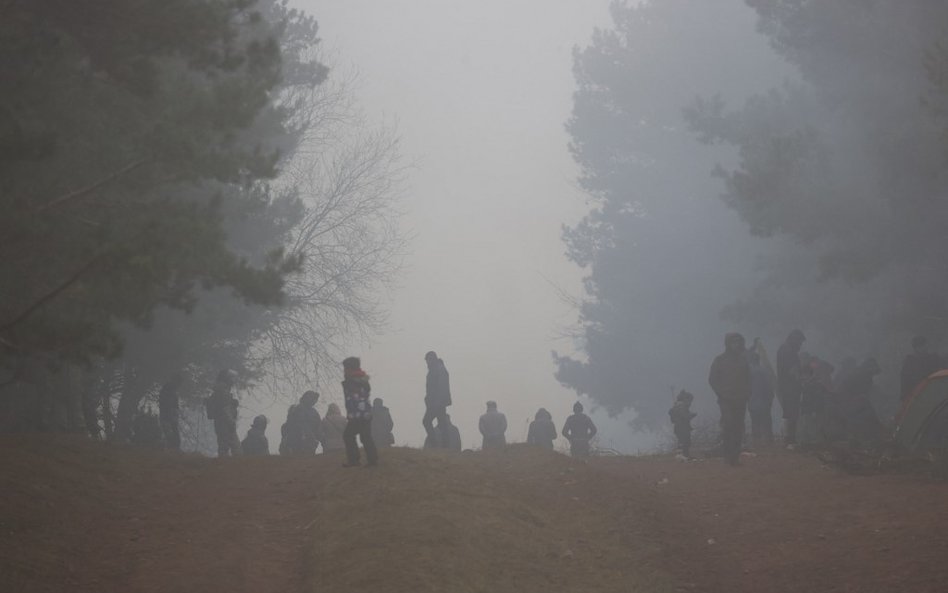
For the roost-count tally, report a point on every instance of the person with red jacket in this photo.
(357, 392)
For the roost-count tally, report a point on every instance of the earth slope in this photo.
(79, 516)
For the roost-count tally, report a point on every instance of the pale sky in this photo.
(481, 92)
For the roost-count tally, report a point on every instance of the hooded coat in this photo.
(730, 376)
(542, 431)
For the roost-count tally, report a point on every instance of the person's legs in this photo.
(349, 438)
(432, 412)
(684, 442)
(732, 428)
(220, 431)
(365, 435)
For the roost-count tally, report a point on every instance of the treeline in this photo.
(820, 124)
(185, 188)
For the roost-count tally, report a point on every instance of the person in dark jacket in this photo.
(761, 401)
(358, 391)
(382, 424)
(681, 417)
(437, 396)
(303, 429)
(542, 431)
(862, 423)
(730, 380)
(169, 412)
(579, 430)
(451, 436)
(493, 427)
(917, 366)
(816, 384)
(789, 389)
(256, 443)
(334, 425)
(222, 409)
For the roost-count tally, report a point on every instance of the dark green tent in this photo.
(923, 423)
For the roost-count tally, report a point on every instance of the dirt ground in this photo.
(79, 516)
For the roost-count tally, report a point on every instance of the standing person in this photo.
(437, 397)
(730, 379)
(761, 401)
(169, 412)
(789, 389)
(681, 417)
(917, 366)
(542, 431)
(222, 409)
(493, 427)
(579, 430)
(382, 424)
(357, 391)
(862, 422)
(334, 425)
(303, 429)
(255, 444)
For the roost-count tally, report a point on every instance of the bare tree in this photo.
(350, 176)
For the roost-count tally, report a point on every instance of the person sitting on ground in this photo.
(493, 427)
(334, 424)
(681, 416)
(357, 391)
(542, 431)
(579, 431)
(256, 443)
(303, 429)
(382, 424)
(917, 366)
(451, 436)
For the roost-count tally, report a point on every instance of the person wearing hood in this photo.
(542, 431)
(730, 379)
(789, 386)
(382, 424)
(579, 431)
(357, 391)
(437, 397)
(334, 424)
(493, 427)
(450, 434)
(256, 443)
(303, 428)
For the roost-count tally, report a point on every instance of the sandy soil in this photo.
(78, 516)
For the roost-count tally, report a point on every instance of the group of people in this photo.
(578, 430)
(819, 404)
(305, 430)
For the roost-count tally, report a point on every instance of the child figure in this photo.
(681, 416)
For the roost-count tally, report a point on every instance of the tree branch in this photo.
(50, 295)
(92, 187)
